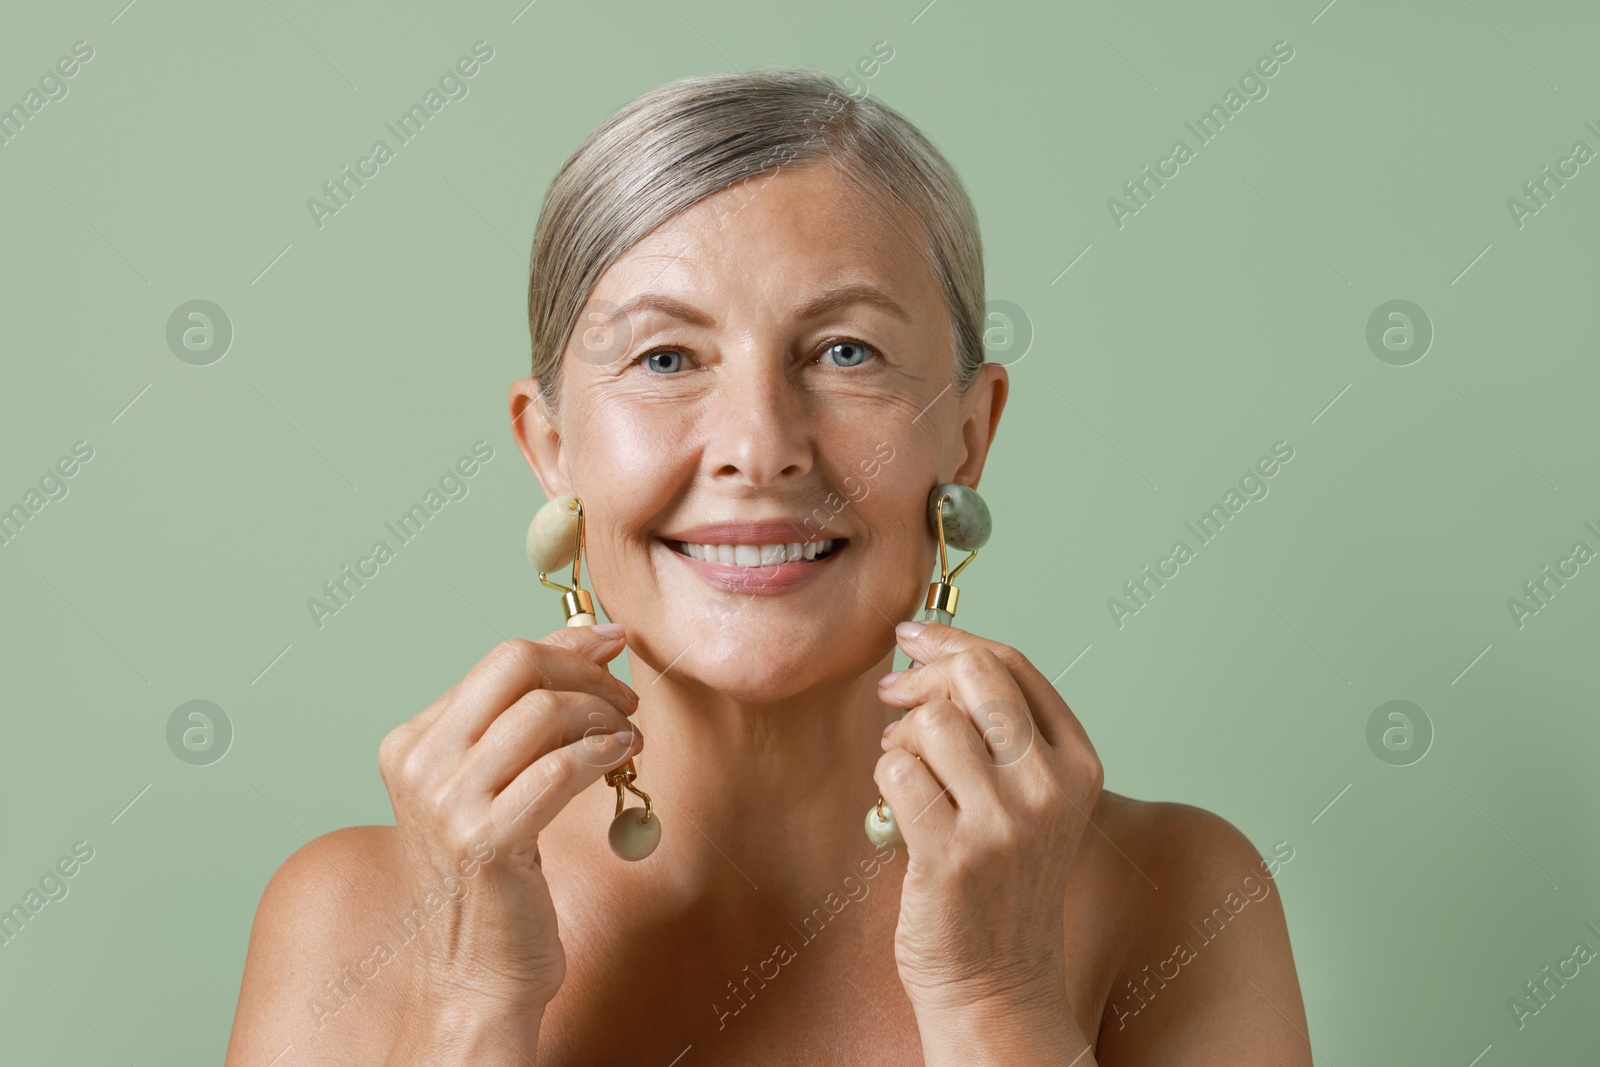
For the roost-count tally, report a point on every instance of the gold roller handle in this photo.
(632, 836)
(940, 607)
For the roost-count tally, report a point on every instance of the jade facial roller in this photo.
(961, 520)
(555, 538)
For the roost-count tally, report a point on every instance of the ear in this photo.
(981, 408)
(533, 425)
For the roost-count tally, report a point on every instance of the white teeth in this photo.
(757, 555)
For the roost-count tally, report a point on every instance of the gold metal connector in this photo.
(622, 778)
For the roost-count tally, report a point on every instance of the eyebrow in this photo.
(829, 300)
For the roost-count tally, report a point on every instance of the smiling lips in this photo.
(756, 558)
(758, 555)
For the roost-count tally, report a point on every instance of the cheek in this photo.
(881, 469)
(900, 549)
(628, 469)
(630, 457)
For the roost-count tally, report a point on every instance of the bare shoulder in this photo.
(312, 978)
(1184, 841)
(1205, 971)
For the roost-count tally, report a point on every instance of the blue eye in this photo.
(663, 360)
(671, 360)
(854, 355)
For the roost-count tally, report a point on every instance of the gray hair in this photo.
(688, 139)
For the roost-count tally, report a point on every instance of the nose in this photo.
(759, 429)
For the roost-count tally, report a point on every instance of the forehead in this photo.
(775, 230)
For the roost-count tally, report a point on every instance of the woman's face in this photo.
(773, 367)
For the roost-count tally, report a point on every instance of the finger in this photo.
(540, 791)
(1057, 723)
(565, 660)
(541, 721)
(984, 688)
(942, 734)
(600, 644)
(922, 808)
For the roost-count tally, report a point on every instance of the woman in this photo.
(756, 309)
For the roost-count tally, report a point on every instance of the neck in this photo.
(767, 796)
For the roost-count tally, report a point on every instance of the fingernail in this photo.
(607, 630)
(909, 629)
(624, 736)
(887, 680)
(891, 726)
(633, 697)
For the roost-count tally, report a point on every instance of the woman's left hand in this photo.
(993, 816)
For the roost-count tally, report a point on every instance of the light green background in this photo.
(1225, 316)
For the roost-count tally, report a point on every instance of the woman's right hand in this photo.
(473, 779)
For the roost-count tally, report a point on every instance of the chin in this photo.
(754, 659)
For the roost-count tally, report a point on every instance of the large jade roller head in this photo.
(555, 538)
(963, 513)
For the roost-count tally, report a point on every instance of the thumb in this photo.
(599, 643)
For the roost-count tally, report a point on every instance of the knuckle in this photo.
(513, 651)
(413, 767)
(896, 769)
(940, 718)
(977, 660)
(1008, 657)
(439, 806)
(538, 703)
(1097, 774)
(958, 662)
(558, 771)
(1088, 767)
(390, 750)
(462, 830)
